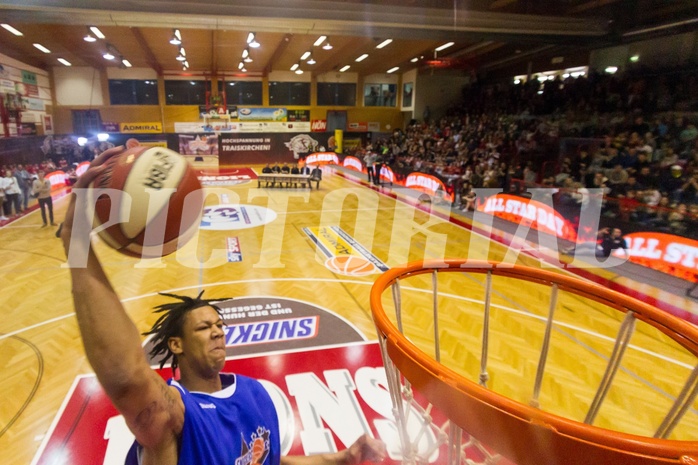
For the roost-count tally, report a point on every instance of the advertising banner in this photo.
(197, 144)
(318, 125)
(353, 163)
(425, 182)
(322, 158)
(140, 128)
(674, 255)
(245, 149)
(535, 214)
(57, 179)
(262, 114)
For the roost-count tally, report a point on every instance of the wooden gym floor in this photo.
(42, 352)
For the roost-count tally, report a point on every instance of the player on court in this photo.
(205, 417)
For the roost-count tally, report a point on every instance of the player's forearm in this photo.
(111, 340)
(338, 458)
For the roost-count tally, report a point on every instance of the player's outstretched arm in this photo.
(111, 340)
(364, 449)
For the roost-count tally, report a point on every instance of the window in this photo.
(380, 95)
(185, 92)
(289, 93)
(242, 92)
(86, 122)
(133, 92)
(336, 93)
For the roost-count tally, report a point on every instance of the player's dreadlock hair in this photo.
(171, 322)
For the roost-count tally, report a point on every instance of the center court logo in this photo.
(229, 217)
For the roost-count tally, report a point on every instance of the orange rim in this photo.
(565, 441)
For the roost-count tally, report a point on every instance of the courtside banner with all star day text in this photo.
(531, 213)
(674, 255)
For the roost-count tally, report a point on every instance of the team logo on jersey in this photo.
(256, 451)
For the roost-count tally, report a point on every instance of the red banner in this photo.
(428, 184)
(322, 158)
(57, 179)
(318, 125)
(674, 255)
(531, 213)
(353, 164)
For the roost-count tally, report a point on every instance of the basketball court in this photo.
(299, 266)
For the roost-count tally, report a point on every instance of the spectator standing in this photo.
(41, 189)
(25, 183)
(12, 194)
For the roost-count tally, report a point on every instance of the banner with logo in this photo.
(322, 158)
(353, 164)
(531, 213)
(140, 128)
(426, 183)
(674, 255)
(386, 174)
(262, 114)
(57, 179)
(262, 148)
(318, 125)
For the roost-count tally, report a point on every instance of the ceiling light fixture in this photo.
(245, 53)
(295, 66)
(384, 43)
(344, 68)
(248, 59)
(64, 62)
(241, 65)
(392, 70)
(95, 30)
(305, 55)
(327, 46)
(362, 57)
(181, 58)
(443, 47)
(11, 29)
(311, 60)
(414, 60)
(176, 37)
(320, 40)
(109, 54)
(42, 48)
(252, 40)
(126, 63)
(89, 38)
(299, 71)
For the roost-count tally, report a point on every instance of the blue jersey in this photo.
(234, 426)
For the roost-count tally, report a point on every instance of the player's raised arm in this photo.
(112, 343)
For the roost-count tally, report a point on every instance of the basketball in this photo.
(350, 265)
(158, 206)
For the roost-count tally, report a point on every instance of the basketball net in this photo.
(459, 446)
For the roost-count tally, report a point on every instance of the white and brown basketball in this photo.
(158, 206)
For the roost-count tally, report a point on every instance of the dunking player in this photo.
(205, 417)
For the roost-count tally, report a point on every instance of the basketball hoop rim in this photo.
(397, 344)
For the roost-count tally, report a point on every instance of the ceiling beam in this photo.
(76, 45)
(150, 57)
(214, 52)
(591, 5)
(278, 53)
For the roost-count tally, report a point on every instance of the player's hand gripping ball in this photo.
(156, 203)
